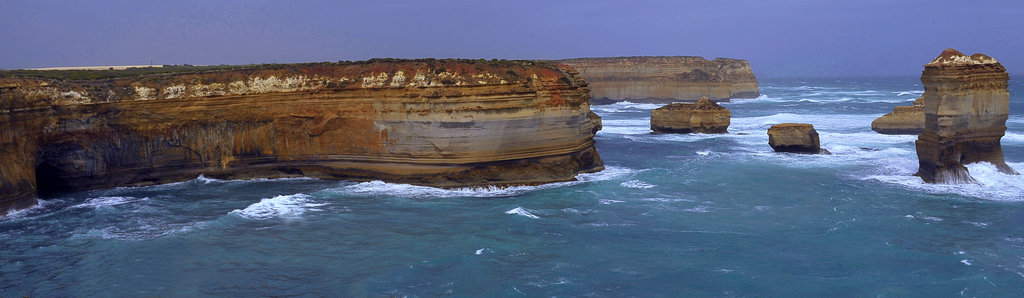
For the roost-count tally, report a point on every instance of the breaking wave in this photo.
(287, 206)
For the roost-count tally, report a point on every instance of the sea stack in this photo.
(905, 120)
(701, 117)
(966, 104)
(444, 123)
(666, 79)
(795, 138)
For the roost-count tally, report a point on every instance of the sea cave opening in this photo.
(50, 181)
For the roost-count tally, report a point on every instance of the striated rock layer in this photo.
(902, 120)
(966, 104)
(666, 79)
(795, 138)
(444, 123)
(701, 117)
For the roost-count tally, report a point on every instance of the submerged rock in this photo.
(444, 123)
(902, 120)
(701, 117)
(666, 79)
(966, 106)
(795, 138)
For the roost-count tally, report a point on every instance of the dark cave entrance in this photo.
(50, 181)
(55, 167)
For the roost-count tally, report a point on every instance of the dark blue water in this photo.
(673, 215)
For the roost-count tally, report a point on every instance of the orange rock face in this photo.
(444, 123)
(966, 105)
(902, 120)
(701, 117)
(666, 79)
(795, 138)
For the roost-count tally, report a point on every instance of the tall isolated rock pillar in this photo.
(966, 107)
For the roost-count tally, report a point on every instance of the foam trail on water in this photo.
(286, 206)
(522, 212)
(108, 201)
(416, 191)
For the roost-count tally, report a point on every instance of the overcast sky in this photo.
(780, 38)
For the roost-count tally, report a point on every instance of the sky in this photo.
(793, 38)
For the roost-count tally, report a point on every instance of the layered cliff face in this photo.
(701, 117)
(666, 79)
(443, 123)
(966, 105)
(902, 120)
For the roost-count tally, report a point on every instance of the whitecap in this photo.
(609, 202)
(285, 206)
(703, 153)
(910, 92)
(636, 184)
(40, 206)
(202, 179)
(523, 212)
(759, 99)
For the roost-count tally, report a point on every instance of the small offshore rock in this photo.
(701, 117)
(795, 138)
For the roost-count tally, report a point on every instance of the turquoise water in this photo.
(673, 215)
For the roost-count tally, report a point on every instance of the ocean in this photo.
(672, 215)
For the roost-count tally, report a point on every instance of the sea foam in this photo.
(286, 206)
(990, 183)
(416, 191)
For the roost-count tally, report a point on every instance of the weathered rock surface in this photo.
(666, 79)
(444, 123)
(966, 104)
(701, 117)
(902, 120)
(795, 138)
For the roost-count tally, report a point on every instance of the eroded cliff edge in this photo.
(445, 123)
(666, 79)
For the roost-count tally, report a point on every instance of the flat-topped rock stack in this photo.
(701, 117)
(445, 123)
(903, 120)
(966, 103)
(795, 138)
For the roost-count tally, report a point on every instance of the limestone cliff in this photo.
(666, 79)
(701, 117)
(902, 120)
(966, 105)
(444, 123)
